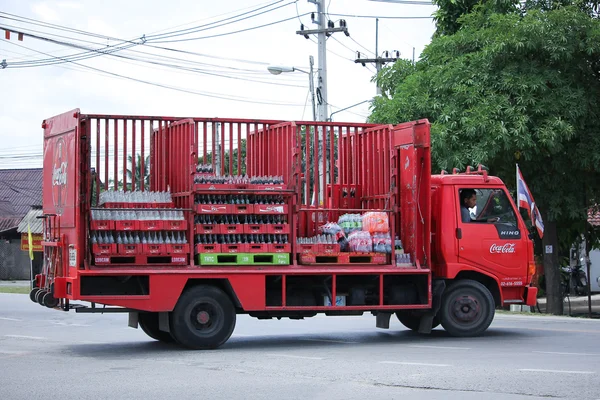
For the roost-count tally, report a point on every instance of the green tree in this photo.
(514, 88)
(447, 17)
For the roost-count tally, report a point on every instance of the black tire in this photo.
(412, 320)
(39, 297)
(49, 300)
(149, 324)
(467, 309)
(204, 318)
(33, 293)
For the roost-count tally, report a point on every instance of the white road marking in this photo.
(60, 323)
(10, 319)
(567, 354)
(439, 347)
(329, 341)
(556, 371)
(242, 335)
(291, 356)
(25, 337)
(12, 352)
(414, 363)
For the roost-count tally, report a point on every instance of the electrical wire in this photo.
(67, 59)
(222, 22)
(205, 94)
(228, 33)
(64, 28)
(380, 16)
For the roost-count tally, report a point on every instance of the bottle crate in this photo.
(127, 225)
(104, 248)
(208, 248)
(102, 225)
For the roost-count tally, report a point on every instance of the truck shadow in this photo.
(302, 341)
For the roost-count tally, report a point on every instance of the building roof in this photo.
(19, 190)
(35, 223)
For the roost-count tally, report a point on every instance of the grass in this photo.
(15, 289)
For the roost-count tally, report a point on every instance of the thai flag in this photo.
(525, 200)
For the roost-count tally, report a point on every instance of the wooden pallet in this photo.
(213, 259)
(343, 258)
(137, 260)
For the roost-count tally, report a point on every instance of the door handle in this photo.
(458, 233)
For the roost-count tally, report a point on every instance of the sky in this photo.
(187, 59)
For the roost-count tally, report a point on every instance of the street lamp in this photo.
(277, 69)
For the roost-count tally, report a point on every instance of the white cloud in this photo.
(45, 12)
(41, 92)
(70, 4)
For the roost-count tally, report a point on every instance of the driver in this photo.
(468, 199)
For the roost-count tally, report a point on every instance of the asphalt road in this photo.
(81, 356)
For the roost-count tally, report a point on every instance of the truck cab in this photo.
(491, 246)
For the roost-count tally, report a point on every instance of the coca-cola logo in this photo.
(59, 176)
(213, 209)
(278, 209)
(502, 249)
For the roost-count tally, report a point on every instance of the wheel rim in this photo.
(466, 309)
(206, 318)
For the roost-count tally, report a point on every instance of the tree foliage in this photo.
(448, 15)
(506, 88)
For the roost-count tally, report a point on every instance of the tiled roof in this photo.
(35, 223)
(19, 190)
(9, 223)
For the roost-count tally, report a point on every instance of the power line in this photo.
(146, 45)
(208, 26)
(228, 33)
(381, 17)
(66, 59)
(206, 94)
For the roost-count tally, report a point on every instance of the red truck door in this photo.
(490, 238)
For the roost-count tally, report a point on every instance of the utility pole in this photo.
(325, 29)
(378, 61)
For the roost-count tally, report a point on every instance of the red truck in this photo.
(185, 223)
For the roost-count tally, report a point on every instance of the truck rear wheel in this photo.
(204, 318)
(412, 320)
(149, 324)
(467, 309)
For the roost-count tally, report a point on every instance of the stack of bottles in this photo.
(138, 237)
(135, 199)
(238, 199)
(241, 223)
(206, 179)
(138, 223)
(325, 243)
(256, 238)
(204, 168)
(228, 219)
(138, 215)
(402, 259)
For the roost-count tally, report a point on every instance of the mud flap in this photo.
(382, 320)
(133, 319)
(163, 322)
(426, 323)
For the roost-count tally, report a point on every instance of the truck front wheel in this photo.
(204, 318)
(467, 309)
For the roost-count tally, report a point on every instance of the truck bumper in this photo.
(531, 296)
